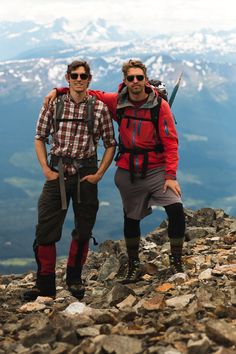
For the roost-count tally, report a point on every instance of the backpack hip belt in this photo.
(137, 151)
(77, 163)
(57, 162)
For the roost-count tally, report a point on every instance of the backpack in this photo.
(162, 91)
(160, 87)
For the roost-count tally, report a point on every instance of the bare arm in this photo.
(51, 96)
(41, 152)
(105, 163)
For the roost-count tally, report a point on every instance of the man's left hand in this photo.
(173, 185)
(94, 179)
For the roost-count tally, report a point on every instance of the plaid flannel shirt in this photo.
(72, 137)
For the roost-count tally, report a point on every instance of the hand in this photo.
(51, 96)
(94, 179)
(51, 175)
(173, 185)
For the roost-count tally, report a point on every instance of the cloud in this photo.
(30, 186)
(230, 199)
(188, 178)
(193, 137)
(150, 17)
(228, 204)
(194, 203)
(104, 203)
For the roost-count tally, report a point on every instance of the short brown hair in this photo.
(76, 64)
(132, 63)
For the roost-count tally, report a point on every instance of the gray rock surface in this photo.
(192, 313)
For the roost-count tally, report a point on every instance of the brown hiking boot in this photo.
(77, 289)
(34, 292)
(45, 286)
(176, 265)
(133, 273)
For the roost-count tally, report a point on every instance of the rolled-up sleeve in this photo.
(106, 129)
(44, 123)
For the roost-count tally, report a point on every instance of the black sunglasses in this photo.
(130, 78)
(75, 76)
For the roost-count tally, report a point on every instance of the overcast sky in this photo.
(159, 16)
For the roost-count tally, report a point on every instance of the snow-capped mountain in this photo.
(28, 39)
(34, 60)
(44, 52)
(100, 30)
(19, 39)
(31, 78)
(205, 44)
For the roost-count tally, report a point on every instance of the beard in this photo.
(136, 90)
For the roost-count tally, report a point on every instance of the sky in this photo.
(157, 16)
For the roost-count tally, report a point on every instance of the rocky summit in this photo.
(192, 312)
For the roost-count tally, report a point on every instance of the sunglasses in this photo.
(75, 76)
(130, 78)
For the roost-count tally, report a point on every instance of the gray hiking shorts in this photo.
(138, 197)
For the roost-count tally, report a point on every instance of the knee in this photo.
(81, 236)
(175, 210)
(176, 218)
(44, 236)
(131, 227)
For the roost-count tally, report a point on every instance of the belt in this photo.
(59, 161)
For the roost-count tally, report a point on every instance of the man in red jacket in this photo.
(147, 162)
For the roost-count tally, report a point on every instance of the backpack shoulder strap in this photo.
(120, 114)
(58, 111)
(155, 111)
(59, 107)
(90, 113)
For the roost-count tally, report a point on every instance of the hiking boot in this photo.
(133, 273)
(77, 289)
(45, 286)
(34, 292)
(176, 265)
(122, 271)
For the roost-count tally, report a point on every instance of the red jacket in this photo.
(142, 134)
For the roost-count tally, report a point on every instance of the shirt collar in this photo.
(69, 98)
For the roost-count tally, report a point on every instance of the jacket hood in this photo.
(123, 96)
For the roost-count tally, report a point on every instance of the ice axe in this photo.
(175, 90)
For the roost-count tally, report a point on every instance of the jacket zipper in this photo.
(133, 139)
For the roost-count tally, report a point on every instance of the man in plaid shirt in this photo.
(75, 148)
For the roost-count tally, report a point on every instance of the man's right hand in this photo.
(50, 175)
(51, 96)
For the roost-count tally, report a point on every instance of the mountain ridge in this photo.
(204, 109)
(209, 44)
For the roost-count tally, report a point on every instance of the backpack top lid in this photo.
(160, 87)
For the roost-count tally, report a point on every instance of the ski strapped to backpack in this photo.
(154, 112)
(57, 162)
